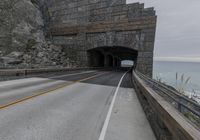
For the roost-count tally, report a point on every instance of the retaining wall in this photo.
(166, 122)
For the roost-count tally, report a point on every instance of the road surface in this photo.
(78, 105)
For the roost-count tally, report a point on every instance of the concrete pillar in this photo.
(119, 63)
(106, 60)
(114, 62)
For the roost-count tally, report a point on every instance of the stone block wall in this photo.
(79, 25)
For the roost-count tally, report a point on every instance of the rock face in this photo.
(22, 40)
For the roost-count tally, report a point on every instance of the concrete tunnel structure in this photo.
(102, 33)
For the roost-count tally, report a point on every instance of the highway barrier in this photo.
(167, 121)
(24, 72)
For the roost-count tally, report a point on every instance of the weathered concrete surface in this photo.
(128, 120)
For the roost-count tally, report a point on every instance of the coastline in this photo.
(166, 72)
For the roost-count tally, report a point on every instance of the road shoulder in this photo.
(128, 120)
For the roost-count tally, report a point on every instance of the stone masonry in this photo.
(80, 25)
(43, 33)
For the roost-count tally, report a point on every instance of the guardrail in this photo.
(166, 121)
(24, 72)
(180, 102)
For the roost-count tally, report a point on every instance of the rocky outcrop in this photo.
(22, 40)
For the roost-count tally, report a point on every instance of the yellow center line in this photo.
(48, 91)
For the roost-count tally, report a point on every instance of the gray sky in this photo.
(178, 29)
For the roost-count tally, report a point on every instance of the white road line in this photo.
(105, 126)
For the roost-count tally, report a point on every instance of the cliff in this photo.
(22, 40)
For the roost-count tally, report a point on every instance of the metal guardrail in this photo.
(180, 102)
(24, 72)
(158, 101)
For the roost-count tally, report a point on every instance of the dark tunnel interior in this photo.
(111, 56)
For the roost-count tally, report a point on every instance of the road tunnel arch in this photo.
(107, 56)
(108, 61)
(96, 58)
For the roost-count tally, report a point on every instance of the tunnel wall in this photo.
(80, 25)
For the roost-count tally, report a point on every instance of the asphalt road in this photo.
(65, 106)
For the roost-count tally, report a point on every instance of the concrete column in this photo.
(113, 62)
(105, 60)
(118, 63)
(108, 61)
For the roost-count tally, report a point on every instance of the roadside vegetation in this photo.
(181, 84)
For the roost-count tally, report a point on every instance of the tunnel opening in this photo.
(108, 61)
(111, 56)
(127, 63)
(96, 58)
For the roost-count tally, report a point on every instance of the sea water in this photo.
(166, 72)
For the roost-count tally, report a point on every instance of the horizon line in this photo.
(178, 59)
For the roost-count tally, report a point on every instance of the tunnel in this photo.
(108, 61)
(96, 58)
(127, 63)
(110, 56)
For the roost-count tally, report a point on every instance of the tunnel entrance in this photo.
(108, 61)
(127, 63)
(111, 56)
(96, 58)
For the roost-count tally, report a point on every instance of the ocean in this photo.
(166, 71)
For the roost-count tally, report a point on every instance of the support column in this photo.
(105, 60)
(108, 61)
(114, 62)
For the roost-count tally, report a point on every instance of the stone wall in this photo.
(80, 25)
(74, 27)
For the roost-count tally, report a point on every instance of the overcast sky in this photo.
(178, 28)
